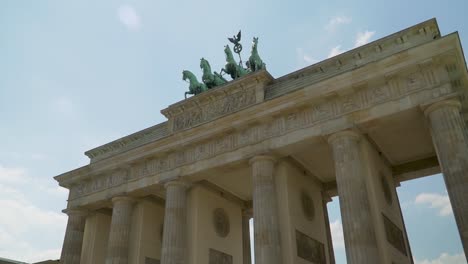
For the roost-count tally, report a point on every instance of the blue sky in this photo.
(75, 75)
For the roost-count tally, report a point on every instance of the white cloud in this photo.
(436, 201)
(129, 17)
(363, 38)
(337, 21)
(335, 51)
(28, 232)
(304, 58)
(12, 175)
(444, 259)
(336, 229)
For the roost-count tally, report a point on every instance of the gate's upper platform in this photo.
(239, 94)
(406, 70)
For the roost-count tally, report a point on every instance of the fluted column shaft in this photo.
(174, 247)
(119, 235)
(359, 233)
(331, 252)
(449, 134)
(266, 227)
(73, 241)
(246, 215)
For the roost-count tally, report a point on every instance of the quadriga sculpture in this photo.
(255, 63)
(210, 79)
(232, 67)
(195, 87)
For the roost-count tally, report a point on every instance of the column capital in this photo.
(326, 197)
(446, 103)
(180, 183)
(262, 157)
(75, 212)
(123, 198)
(345, 133)
(247, 212)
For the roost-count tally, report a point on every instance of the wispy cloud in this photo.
(335, 51)
(336, 229)
(21, 218)
(12, 175)
(129, 17)
(437, 201)
(336, 21)
(444, 258)
(304, 58)
(363, 38)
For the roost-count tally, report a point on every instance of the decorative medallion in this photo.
(386, 189)
(307, 205)
(221, 222)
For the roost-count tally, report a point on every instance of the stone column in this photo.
(174, 246)
(359, 233)
(331, 252)
(265, 210)
(449, 135)
(246, 215)
(119, 235)
(73, 242)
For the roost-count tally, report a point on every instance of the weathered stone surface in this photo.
(358, 229)
(280, 125)
(174, 248)
(246, 254)
(394, 235)
(450, 137)
(218, 257)
(221, 222)
(265, 209)
(119, 236)
(73, 241)
(310, 249)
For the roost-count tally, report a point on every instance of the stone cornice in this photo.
(131, 141)
(373, 51)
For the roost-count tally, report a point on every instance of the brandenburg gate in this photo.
(276, 150)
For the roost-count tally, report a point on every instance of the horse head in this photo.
(227, 50)
(186, 75)
(255, 41)
(204, 64)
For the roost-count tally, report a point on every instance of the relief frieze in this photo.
(255, 133)
(214, 109)
(394, 235)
